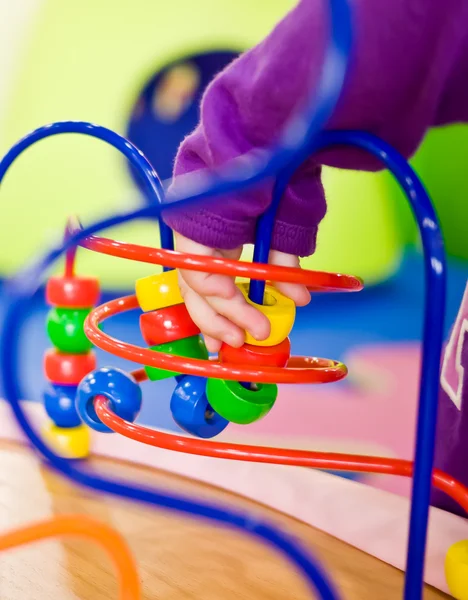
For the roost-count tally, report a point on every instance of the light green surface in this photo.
(88, 60)
(360, 234)
(442, 164)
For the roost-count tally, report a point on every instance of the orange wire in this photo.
(82, 526)
(279, 456)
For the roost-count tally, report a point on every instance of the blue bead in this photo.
(118, 386)
(59, 403)
(191, 411)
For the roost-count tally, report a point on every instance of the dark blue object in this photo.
(435, 267)
(59, 403)
(157, 137)
(191, 410)
(119, 387)
(434, 314)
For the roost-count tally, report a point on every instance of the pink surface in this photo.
(375, 411)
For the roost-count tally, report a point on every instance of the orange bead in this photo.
(68, 369)
(264, 356)
(167, 325)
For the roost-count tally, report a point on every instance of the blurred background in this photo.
(139, 67)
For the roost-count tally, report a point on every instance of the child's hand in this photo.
(217, 306)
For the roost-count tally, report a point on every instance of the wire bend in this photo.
(85, 527)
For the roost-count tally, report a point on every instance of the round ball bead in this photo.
(279, 310)
(239, 404)
(65, 328)
(263, 356)
(191, 410)
(167, 325)
(192, 347)
(72, 292)
(67, 369)
(59, 403)
(121, 389)
(158, 291)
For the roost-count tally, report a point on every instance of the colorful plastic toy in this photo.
(71, 298)
(207, 392)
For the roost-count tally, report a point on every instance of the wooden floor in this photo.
(178, 558)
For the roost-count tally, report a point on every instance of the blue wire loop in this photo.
(301, 138)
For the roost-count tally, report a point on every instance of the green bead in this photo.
(191, 347)
(65, 328)
(238, 404)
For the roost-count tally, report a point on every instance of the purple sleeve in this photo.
(408, 72)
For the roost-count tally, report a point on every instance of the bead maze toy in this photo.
(240, 384)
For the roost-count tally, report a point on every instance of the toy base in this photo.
(73, 442)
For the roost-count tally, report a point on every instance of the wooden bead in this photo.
(239, 404)
(72, 292)
(67, 369)
(119, 387)
(279, 310)
(158, 291)
(71, 442)
(192, 347)
(167, 325)
(263, 356)
(59, 403)
(65, 328)
(191, 411)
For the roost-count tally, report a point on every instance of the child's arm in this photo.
(408, 72)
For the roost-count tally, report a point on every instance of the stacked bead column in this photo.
(167, 327)
(72, 358)
(245, 403)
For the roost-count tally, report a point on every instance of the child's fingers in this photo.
(213, 345)
(243, 314)
(213, 325)
(235, 311)
(297, 292)
(206, 284)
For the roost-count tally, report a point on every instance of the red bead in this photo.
(264, 356)
(72, 292)
(68, 369)
(167, 325)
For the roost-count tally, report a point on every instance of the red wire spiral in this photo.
(298, 370)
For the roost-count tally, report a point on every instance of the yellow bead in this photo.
(158, 291)
(70, 442)
(456, 570)
(279, 310)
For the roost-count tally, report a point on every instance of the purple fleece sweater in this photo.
(408, 72)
